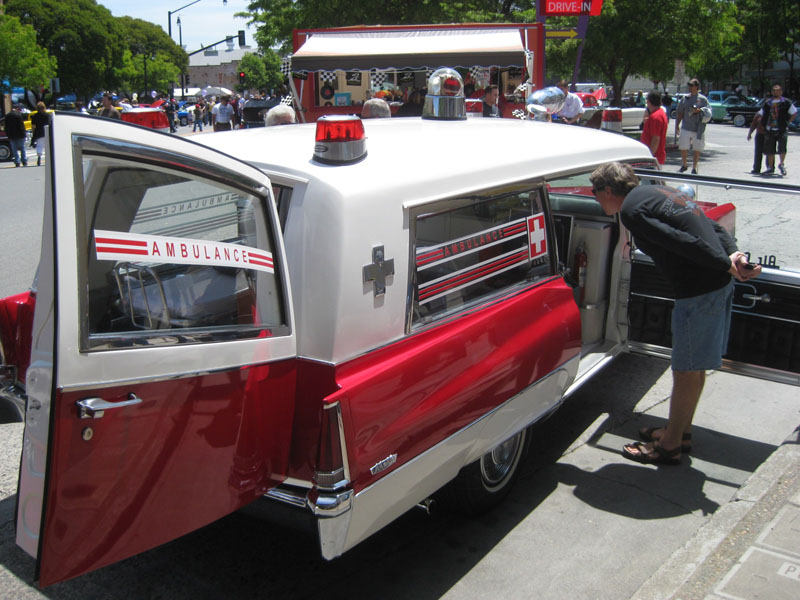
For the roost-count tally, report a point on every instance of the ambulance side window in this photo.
(173, 258)
(470, 249)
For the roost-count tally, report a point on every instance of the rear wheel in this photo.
(184, 121)
(487, 481)
(5, 152)
(739, 120)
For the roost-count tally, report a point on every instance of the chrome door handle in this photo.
(94, 408)
(756, 298)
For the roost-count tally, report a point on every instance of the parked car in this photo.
(257, 318)
(719, 109)
(591, 106)
(719, 96)
(743, 114)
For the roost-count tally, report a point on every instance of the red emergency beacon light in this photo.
(340, 139)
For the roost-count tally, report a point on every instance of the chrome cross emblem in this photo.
(378, 271)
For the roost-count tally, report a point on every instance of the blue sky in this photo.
(203, 23)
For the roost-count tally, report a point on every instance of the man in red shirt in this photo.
(654, 132)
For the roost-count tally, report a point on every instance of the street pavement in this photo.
(581, 521)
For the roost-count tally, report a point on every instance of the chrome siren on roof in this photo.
(445, 97)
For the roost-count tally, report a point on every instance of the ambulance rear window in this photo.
(475, 248)
(173, 258)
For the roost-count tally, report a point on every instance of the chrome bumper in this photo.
(331, 509)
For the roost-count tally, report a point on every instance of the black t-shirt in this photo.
(690, 249)
(15, 125)
(490, 110)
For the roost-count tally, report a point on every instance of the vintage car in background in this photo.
(719, 108)
(341, 319)
(743, 114)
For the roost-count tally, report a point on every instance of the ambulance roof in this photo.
(418, 159)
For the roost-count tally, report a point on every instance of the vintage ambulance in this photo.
(341, 318)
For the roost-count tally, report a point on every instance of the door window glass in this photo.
(174, 258)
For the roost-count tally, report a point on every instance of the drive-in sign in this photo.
(570, 8)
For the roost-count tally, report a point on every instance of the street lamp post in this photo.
(172, 12)
(180, 43)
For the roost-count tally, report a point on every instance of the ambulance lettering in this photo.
(510, 239)
(141, 248)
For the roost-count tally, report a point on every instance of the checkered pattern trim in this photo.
(286, 66)
(377, 78)
(327, 76)
(287, 100)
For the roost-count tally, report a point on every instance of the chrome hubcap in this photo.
(499, 463)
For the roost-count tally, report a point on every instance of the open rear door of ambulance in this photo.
(162, 377)
(764, 338)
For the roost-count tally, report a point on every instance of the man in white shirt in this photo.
(573, 106)
(222, 115)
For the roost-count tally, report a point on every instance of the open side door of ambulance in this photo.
(764, 338)
(161, 385)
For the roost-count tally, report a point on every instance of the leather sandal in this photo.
(646, 434)
(657, 456)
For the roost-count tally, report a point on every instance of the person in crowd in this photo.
(572, 110)
(198, 116)
(170, 109)
(40, 121)
(80, 107)
(698, 257)
(222, 115)
(108, 111)
(125, 104)
(694, 112)
(376, 108)
(758, 145)
(281, 115)
(654, 131)
(490, 97)
(776, 114)
(15, 131)
(412, 107)
(666, 102)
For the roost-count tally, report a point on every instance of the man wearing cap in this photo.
(694, 112)
(15, 130)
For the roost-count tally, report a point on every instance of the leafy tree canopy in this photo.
(84, 38)
(22, 61)
(262, 72)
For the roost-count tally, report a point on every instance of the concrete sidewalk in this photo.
(750, 548)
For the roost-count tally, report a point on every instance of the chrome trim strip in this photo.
(590, 373)
(664, 298)
(728, 366)
(727, 183)
(286, 496)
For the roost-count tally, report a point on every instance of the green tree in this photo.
(148, 47)
(631, 37)
(82, 36)
(22, 62)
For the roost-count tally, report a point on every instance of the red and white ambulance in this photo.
(342, 318)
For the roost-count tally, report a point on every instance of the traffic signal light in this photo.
(241, 38)
(186, 79)
(241, 77)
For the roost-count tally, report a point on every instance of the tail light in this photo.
(612, 115)
(332, 472)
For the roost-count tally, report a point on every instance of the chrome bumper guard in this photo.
(331, 509)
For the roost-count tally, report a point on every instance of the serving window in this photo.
(475, 248)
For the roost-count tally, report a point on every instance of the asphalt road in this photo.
(580, 523)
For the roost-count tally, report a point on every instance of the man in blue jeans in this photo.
(15, 130)
(698, 256)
